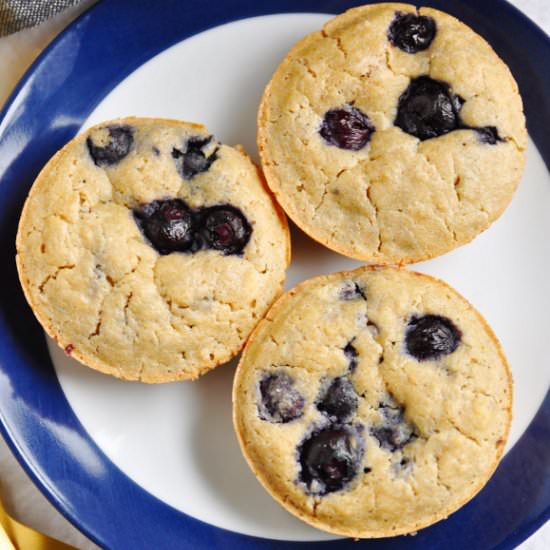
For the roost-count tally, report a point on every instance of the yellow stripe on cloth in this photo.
(16, 536)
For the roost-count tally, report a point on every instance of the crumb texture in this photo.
(99, 286)
(383, 440)
(384, 195)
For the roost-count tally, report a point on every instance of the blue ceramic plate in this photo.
(98, 448)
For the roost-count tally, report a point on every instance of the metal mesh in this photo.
(19, 14)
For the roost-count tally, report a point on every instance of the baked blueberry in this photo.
(339, 400)
(225, 228)
(428, 109)
(347, 128)
(279, 400)
(351, 353)
(167, 224)
(350, 290)
(394, 432)
(412, 33)
(110, 148)
(488, 134)
(329, 459)
(431, 337)
(194, 160)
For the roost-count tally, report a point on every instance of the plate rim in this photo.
(53, 495)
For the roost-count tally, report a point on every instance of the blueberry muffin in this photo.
(372, 403)
(392, 135)
(149, 251)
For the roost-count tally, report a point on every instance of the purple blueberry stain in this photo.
(338, 401)
(488, 134)
(279, 401)
(393, 432)
(351, 290)
(107, 150)
(351, 354)
(346, 127)
(194, 157)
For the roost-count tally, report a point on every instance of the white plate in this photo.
(176, 440)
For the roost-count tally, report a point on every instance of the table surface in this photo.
(22, 499)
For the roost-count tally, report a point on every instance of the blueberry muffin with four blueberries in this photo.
(149, 251)
(392, 135)
(372, 403)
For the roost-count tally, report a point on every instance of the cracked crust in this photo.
(107, 297)
(460, 404)
(397, 200)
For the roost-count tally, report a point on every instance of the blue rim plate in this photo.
(46, 110)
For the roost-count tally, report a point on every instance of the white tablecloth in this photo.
(21, 497)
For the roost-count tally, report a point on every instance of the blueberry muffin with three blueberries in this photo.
(392, 135)
(372, 403)
(149, 251)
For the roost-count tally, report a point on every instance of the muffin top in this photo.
(392, 135)
(372, 403)
(149, 251)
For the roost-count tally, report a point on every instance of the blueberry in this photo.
(351, 353)
(412, 33)
(168, 224)
(350, 290)
(280, 401)
(347, 128)
(113, 148)
(329, 459)
(431, 337)
(394, 432)
(488, 134)
(193, 160)
(339, 400)
(225, 228)
(428, 109)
